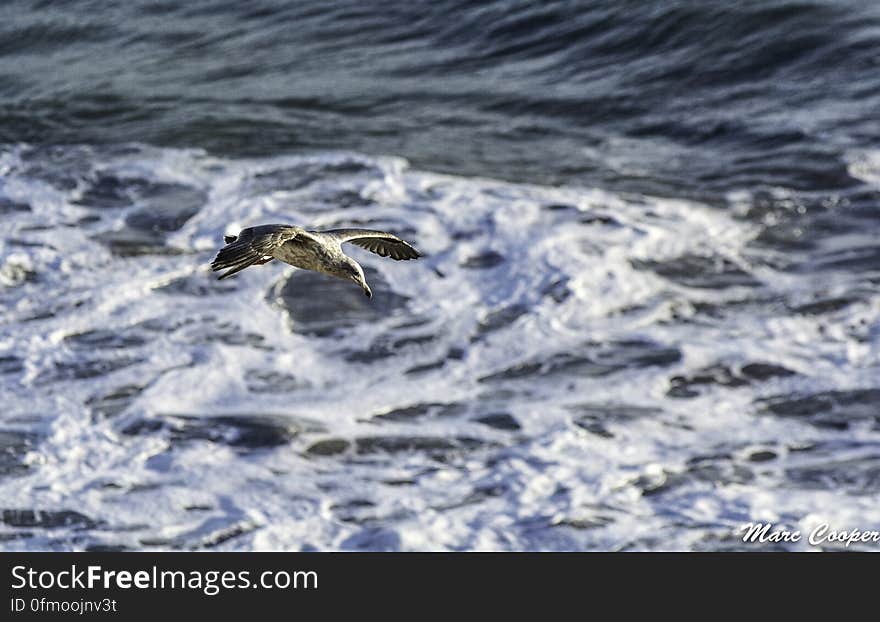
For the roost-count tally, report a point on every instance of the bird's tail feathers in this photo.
(237, 257)
(239, 267)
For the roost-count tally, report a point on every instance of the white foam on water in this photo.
(586, 323)
(865, 165)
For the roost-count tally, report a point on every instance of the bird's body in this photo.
(320, 251)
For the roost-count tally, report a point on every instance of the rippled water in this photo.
(648, 311)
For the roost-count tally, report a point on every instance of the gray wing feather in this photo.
(251, 246)
(382, 243)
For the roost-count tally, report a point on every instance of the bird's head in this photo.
(353, 272)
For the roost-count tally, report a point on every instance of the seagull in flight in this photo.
(320, 251)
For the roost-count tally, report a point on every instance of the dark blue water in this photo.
(670, 97)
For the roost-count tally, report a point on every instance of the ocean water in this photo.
(648, 311)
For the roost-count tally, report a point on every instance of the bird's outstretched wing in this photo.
(380, 242)
(253, 245)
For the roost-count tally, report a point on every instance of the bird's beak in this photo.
(360, 280)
